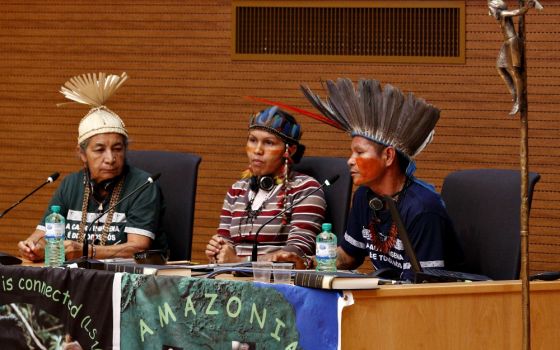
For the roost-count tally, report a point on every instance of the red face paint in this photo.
(366, 165)
(369, 169)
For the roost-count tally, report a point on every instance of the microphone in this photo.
(49, 180)
(376, 203)
(84, 261)
(403, 234)
(325, 183)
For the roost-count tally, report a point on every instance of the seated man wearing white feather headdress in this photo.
(388, 129)
(133, 224)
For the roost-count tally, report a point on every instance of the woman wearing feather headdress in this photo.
(133, 224)
(266, 188)
(388, 130)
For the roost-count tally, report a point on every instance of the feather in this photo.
(342, 100)
(91, 89)
(392, 104)
(385, 115)
(296, 110)
(348, 99)
(405, 120)
(325, 108)
(366, 102)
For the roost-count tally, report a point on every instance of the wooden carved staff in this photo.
(511, 65)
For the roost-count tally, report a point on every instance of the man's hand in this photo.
(345, 261)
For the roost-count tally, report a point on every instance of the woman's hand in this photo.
(73, 249)
(227, 254)
(213, 248)
(31, 249)
(300, 263)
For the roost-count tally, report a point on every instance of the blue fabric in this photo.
(429, 227)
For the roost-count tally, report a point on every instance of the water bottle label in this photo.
(326, 250)
(54, 230)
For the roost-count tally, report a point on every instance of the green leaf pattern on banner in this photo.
(203, 314)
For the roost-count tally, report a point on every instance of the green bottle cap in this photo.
(55, 208)
(327, 226)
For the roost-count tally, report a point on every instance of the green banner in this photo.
(194, 313)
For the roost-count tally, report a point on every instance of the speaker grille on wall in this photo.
(411, 31)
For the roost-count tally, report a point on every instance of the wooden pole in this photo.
(524, 210)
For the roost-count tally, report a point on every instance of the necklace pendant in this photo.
(381, 236)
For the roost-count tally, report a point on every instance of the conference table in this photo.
(476, 315)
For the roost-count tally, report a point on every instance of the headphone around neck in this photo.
(265, 183)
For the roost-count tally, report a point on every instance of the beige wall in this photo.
(186, 94)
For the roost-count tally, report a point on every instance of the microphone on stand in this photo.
(49, 180)
(84, 261)
(325, 183)
(7, 259)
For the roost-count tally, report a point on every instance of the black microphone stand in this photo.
(326, 183)
(50, 179)
(7, 259)
(89, 263)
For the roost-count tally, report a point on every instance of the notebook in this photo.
(425, 275)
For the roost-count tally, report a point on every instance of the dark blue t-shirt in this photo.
(429, 227)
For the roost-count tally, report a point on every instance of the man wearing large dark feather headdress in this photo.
(388, 130)
(509, 58)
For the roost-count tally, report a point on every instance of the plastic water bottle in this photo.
(326, 249)
(54, 237)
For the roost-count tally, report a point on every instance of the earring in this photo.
(286, 152)
(285, 185)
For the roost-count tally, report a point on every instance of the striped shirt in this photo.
(298, 235)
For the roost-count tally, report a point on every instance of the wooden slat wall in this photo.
(186, 94)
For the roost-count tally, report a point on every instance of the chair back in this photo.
(178, 184)
(337, 195)
(484, 205)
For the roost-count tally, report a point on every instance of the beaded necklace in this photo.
(115, 195)
(381, 242)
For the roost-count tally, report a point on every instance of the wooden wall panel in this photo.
(186, 94)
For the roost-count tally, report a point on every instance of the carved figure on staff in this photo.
(509, 58)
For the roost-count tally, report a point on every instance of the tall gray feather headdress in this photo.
(385, 116)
